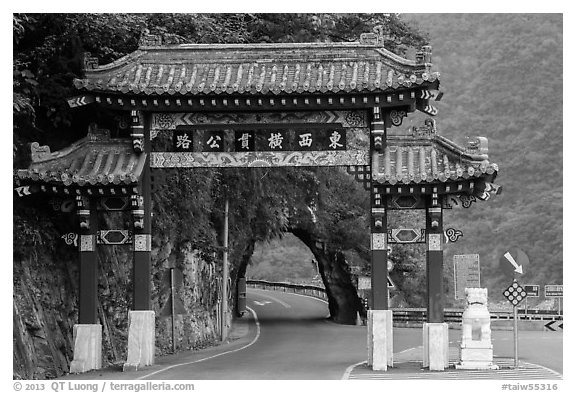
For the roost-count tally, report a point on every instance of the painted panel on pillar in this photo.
(406, 235)
(434, 242)
(379, 241)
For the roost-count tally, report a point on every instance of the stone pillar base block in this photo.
(141, 340)
(380, 343)
(435, 346)
(476, 358)
(87, 348)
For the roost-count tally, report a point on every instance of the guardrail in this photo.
(309, 290)
(407, 315)
(455, 315)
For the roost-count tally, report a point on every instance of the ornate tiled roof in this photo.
(423, 157)
(256, 69)
(94, 160)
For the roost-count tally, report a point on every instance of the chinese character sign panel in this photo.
(259, 140)
(329, 138)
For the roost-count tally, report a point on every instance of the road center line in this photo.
(213, 356)
(286, 305)
(306, 296)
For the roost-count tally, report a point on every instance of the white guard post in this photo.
(476, 348)
(87, 348)
(380, 347)
(435, 346)
(141, 339)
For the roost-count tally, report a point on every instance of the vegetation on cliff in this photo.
(324, 208)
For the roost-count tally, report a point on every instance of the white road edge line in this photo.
(544, 367)
(213, 356)
(349, 369)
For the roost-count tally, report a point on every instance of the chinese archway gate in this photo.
(248, 105)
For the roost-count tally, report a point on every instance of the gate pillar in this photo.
(141, 319)
(87, 332)
(379, 318)
(435, 331)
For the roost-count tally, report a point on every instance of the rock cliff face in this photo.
(45, 300)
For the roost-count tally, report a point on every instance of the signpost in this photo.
(466, 274)
(174, 306)
(515, 294)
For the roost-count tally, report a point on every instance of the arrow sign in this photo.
(517, 268)
(431, 110)
(426, 94)
(79, 101)
(550, 326)
(514, 261)
(23, 191)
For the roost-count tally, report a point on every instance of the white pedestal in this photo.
(435, 346)
(380, 343)
(87, 348)
(141, 340)
(476, 355)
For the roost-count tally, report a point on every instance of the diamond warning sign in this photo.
(515, 293)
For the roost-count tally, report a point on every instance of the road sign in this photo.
(550, 325)
(80, 101)
(532, 290)
(365, 282)
(179, 308)
(514, 261)
(514, 293)
(466, 274)
(553, 291)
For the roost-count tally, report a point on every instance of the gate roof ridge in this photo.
(159, 69)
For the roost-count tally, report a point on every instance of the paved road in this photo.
(292, 339)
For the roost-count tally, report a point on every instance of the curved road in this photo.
(292, 339)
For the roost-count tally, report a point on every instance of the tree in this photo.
(48, 54)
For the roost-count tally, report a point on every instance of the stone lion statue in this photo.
(476, 351)
(476, 318)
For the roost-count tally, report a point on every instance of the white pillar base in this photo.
(87, 348)
(380, 343)
(141, 340)
(435, 346)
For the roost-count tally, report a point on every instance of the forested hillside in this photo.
(502, 78)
